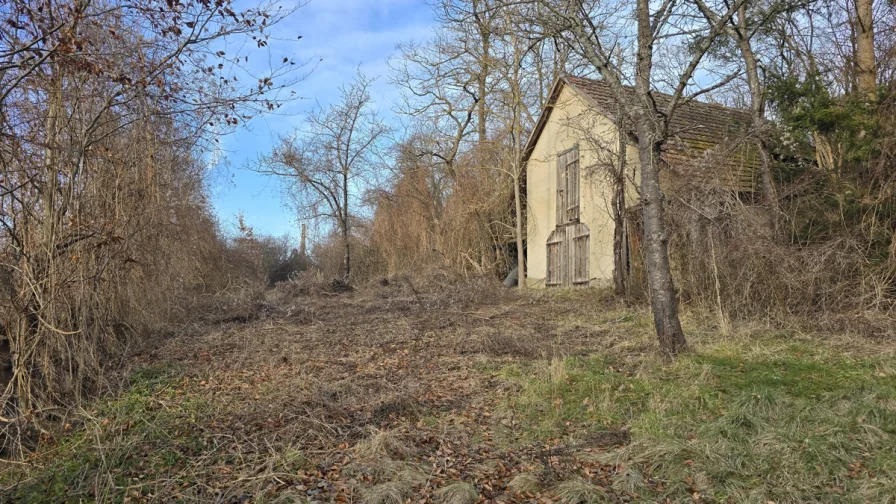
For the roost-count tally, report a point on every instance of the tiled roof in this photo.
(706, 141)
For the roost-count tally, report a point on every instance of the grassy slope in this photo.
(743, 420)
(756, 417)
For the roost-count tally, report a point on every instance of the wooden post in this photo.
(303, 251)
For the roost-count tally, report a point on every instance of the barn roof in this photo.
(706, 141)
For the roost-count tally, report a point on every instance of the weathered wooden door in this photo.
(568, 245)
(568, 251)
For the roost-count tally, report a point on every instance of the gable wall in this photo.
(573, 122)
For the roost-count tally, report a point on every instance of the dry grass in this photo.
(527, 482)
(394, 492)
(730, 262)
(525, 343)
(457, 493)
(381, 445)
(580, 491)
(391, 392)
(557, 370)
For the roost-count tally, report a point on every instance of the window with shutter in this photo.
(568, 186)
(572, 185)
(561, 189)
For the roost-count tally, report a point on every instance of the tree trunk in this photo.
(484, 28)
(651, 133)
(663, 298)
(520, 253)
(620, 255)
(347, 257)
(482, 109)
(517, 166)
(757, 108)
(866, 73)
(303, 250)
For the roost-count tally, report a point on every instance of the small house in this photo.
(569, 190)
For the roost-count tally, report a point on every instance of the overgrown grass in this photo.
(769, 420)
(126, 448)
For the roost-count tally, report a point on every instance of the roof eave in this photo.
(542, 119)
(548, 108)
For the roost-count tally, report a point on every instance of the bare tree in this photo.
(473, 92)
(329, 166)
(105, 110)
(742, 32)
(742, 29)
(594, 30)
(511, 95)
(473, 24)
(610, 168)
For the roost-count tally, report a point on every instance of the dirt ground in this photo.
(463, 392)
(395, 390)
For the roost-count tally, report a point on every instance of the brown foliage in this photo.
(731, 261)
(105, 229)
(462, 221)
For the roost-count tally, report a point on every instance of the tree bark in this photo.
(866, 72)
(518, 168)
(482, 25)
(651, 130)
(347, 257)
(520, 251)
(663, 297)
(303, 250)
(757, 110)
(620, 256)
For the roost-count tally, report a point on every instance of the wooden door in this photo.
(568, 256)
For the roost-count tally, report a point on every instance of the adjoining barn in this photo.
(571, 155)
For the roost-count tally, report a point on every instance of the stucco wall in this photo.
(572, 122)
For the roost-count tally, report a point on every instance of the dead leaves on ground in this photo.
(366, 401)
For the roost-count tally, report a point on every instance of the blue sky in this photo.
(344, 35)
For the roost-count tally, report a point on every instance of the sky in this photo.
(339, 37)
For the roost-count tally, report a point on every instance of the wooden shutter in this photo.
(572, 185)
(561, 190)
(554, 276)
(580, 248)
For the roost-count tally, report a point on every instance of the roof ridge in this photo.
(688, 100)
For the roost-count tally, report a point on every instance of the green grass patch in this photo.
(743, 421)
(123, 447)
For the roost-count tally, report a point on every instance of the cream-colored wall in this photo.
(573, 122)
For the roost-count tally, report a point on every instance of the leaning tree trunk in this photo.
(663, 298)
(757, 109)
